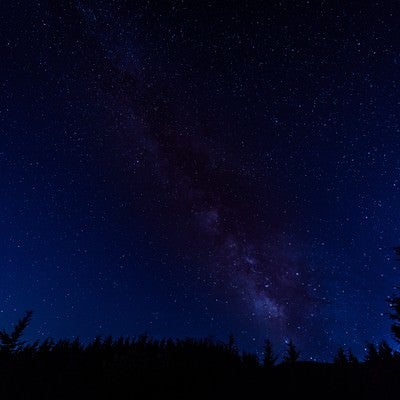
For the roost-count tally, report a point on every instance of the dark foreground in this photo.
(147, 369)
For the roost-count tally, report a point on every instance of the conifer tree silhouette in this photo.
(11, 342)
(385, 352)
(372, 355)
(340, 358)
(352, 359)
(269, 358)
(394, 303)
(292, 354)
(232, 345)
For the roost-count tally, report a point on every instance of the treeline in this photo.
(144, 367)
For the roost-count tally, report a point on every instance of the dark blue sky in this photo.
(200, 168)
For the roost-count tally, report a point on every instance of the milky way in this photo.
(244, 255)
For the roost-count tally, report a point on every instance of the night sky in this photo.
(193, 168)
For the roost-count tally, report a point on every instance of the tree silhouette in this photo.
(385, 352)
(340, 358)
(352, 359)
(269, 358)
(394, 303)
(11, 342)
(372, 355)
(232, 344)
(292, 354)
(145, 367)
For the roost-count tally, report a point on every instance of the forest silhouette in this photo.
(146, 368)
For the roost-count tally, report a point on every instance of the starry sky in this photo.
(201, 168)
